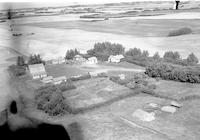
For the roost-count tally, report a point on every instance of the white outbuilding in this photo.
(115, 58)
(92, 60)
(79, 58)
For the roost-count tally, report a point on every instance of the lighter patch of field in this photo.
(177, 90)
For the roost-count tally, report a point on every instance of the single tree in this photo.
(156, 56)
(20, 61)
(192, 59)
(145, 53)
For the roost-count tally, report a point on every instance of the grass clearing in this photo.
(64, 70)
(177, 90)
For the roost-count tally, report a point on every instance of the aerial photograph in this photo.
(100, 70)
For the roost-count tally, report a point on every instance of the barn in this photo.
(37, 71)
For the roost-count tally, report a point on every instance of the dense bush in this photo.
(49, 99)
(174, 72)
(145, 53)
(103, 50)
(171, 55)
(17, 70)
(181, 31)
(64, 86)
(71, 53)
(81, 77)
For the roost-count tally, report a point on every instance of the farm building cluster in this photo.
(37, 71)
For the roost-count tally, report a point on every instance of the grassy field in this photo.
(63, 70)
(178, 90)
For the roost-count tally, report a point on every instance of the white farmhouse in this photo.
(37, 71)
(92, 60)
(115, 58)
(79, 58)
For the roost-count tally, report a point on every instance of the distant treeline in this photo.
(134, 55)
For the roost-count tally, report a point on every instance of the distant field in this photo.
(142, 27)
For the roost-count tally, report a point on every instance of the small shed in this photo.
(115, 58)
(59, 80)
(37, 71)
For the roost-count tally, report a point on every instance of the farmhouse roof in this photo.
(37, 69)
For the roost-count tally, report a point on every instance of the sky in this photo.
(55, 3)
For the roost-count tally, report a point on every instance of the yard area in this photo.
(178, 90)
(64, 70)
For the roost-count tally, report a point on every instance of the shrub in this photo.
(156, 56)
(141, 61)
(145, 53)
(102, 74)
(20, 61)
(152, 86)
(181, 31)
(81, 77)
(49, 99)
(171, 55)
(17, 70)
(64, 86)
(168, 71)
(119, 81)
